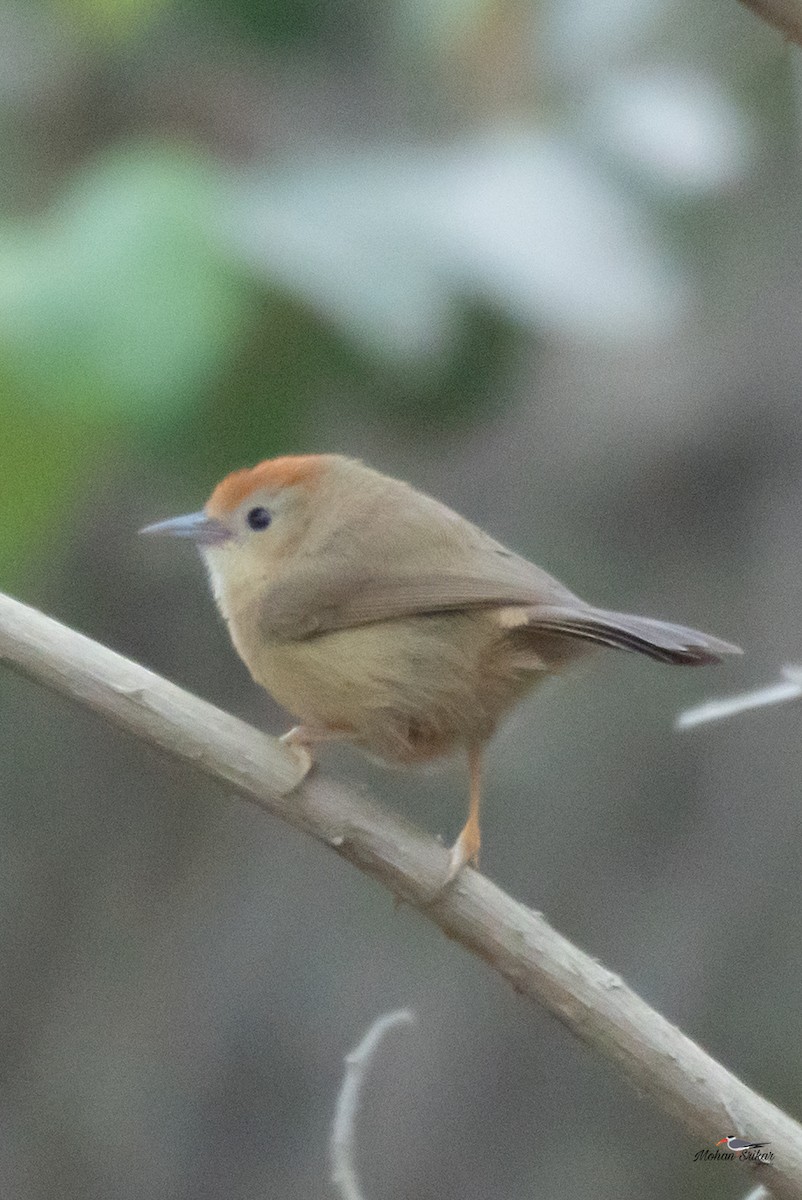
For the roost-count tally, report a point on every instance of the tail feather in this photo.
(657, 639)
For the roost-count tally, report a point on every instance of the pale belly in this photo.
(407, 690)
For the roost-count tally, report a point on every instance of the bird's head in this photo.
(253, 520)
(721, 1141)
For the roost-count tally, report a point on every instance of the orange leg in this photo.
(466, 848)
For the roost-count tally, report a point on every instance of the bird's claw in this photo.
(298, 747)
(464, 852)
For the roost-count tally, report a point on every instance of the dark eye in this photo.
(259, 518)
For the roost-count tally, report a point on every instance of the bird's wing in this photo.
(320, 600)
(660, 640)
(398, 559)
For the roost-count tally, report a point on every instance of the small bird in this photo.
(738, 1145)
(376, 615)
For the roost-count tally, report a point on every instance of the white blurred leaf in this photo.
(386, 245)
(582, 37)
(532, 224)
(675, 125)
(337, 238)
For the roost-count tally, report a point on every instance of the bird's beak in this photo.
(721, 1142)
(205, 530)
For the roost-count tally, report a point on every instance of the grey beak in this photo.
(204, 530)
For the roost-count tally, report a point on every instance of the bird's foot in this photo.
(299, 741)
(302, 738)
(464, 852)
(299, 735)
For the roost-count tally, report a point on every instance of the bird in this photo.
(738, 1145)
(378, 616)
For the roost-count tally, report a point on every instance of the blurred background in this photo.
(545, 261)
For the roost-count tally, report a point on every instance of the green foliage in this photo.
(121, 302)
(111, 20)
(44, 459)
(285, 22)
(115, 310)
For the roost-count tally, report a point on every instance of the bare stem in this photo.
(790, 688)
(343, 1137)
(786, 15)
(596, 1005)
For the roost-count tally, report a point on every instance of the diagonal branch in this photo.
(596, 1005)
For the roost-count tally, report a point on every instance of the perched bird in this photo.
(738, 1145)
(376, 615)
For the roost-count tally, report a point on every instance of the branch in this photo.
(786, 15)
(596, 1005)
(341, 1145)
(729, 706)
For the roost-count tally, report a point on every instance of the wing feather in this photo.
(660, 640)
(321, 602)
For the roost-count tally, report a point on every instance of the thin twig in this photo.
(790, 688)
(343, 1139)
(596, 1005)
(785, 15)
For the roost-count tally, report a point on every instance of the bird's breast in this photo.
(406, 690)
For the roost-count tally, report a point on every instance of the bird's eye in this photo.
(258, 518)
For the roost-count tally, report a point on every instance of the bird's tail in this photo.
(657, 639)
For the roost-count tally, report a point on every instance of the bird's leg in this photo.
(466, 848)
